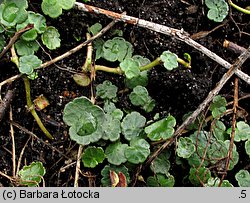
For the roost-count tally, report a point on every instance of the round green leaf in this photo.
(139, 96)
(106, 90)
(117, 49)
(218, 10)
(94, 29)
(111, 128)
(132, 125)
(13, 12)
(218, 106)
(203, 174)
(161, 164)
(162, 129)
(29, 35)
(106, 174)
(81, 79)
(32, 175)
(115, 153)
(141, 79)
(169, 60)
(217, 150)
(51, 38)
(141, 60)
(235, 155)
(92, 156)
(161, 180)
(67, 4)
(219, 130)
(185, 147)
(138, 151)
(130, 68)
(85, 120)
(26, 48)
(52, 8)
(243, 178)
(242, 131)
(27, 64)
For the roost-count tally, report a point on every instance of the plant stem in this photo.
(154, 63)
(238, 7)
(87, 65)
(184, 63)
(108, 69)
(31, 107)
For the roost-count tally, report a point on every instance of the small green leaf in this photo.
(235, 155)
(242, 131)
(218, 10)
(138, 151)
(29, 35)
(247, 147)
(219, 130)
(27, 64)
(106, 90)
(106, 182)
(32, 175)
(51, 38)
(53, 8)
(140, 97)
(185, 147)
(169, 60)
(92, 156)
(115, 153)
(203, 174)
(13, 12)
(217, 150)
(98, 44)
(130, 68)
(36, 19)
(26, 48)
(85, 120)
(161, 180)
(81, 79)
(141, 79)
(214, 182)
(132, 125)
(94, 29)
(218, 106)
(111, 128)
(117, 49)
(162, 129)
(161, 164)
(243, 178)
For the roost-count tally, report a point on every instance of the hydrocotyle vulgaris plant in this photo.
(125, 139)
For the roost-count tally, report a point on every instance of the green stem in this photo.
(184, 63)
(31, 107)
(108, 69)
(154, 63)
(238, 7)
(87, 65)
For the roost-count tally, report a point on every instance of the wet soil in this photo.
(176, 92)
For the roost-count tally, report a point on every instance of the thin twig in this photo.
(78, 163)
(180, 35)
(14, 38)
(35, 136)
(9, 80)
(21, 156)
(230, 150)
(13, 145)
(241, 59)
(5, 103)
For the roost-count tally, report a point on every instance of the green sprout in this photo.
(218, 10)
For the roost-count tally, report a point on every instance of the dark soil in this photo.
(176, 92)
